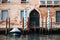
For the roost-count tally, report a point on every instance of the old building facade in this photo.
(27, 13)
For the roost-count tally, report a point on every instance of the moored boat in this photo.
(15, 31)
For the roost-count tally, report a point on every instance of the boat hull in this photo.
(14, 33)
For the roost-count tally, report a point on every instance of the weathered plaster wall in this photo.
(15, 6)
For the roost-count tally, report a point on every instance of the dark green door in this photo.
(57, 16)
(34, 19)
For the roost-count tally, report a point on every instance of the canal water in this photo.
(30, 37)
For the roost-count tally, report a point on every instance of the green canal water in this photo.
(30, 37)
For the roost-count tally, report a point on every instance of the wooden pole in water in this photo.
(23, 23)
(23, 26)
(9, 24)
(46, 22)
(27, 37)
(6, 27)
(39, 27)
(51, 25)
(42, 24)
(46, 25)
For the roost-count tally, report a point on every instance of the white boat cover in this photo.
(15, 30)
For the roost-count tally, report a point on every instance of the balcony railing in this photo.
(50, 2)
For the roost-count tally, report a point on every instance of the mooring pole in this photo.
(42, 24)
(46, 25)
(9, 24)
(39, 28)
(6, 28)
(51, 25)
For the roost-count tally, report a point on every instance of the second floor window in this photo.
(21, 14)
(42, 2)
(4, 1)
(24, 1)
(4, 15)
(49, 2)
(56, 2)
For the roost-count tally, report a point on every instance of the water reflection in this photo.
(30, 37)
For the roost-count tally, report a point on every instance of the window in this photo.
(24, 1)
(4, 1)
(57, 16)
(42, 2)
(4, 15)
(49, 2)
(21, 14)
(56, 2)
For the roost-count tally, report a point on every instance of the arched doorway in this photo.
(33, 19)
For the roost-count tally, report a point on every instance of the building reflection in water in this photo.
(31, 37)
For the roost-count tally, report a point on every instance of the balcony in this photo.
(50, 3)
